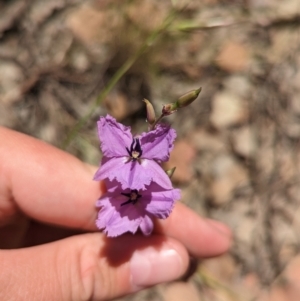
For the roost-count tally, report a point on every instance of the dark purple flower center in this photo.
(135, 150)
(133, 196)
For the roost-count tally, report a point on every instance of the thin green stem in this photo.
(152, 127)
(117, 76)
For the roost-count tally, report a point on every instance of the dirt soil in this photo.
(238, 148)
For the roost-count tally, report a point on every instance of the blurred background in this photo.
(63, 63)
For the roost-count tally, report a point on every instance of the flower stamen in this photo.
(133, 197)
(135, 151)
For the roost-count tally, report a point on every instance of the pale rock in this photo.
(287, 166)
(223, 272)
(227, 176)
(285, 234)
(178, 291)
(233, 57)
(222, 268)
(96, 28)
(43, 9)
(288, 9)
(48, 133)
(148, 14)
(267, 11)
(79, 60)
(238, 84)
(93, 20)
(292, 129)
(205, 141)
(244, 142)
(228, 110)
(11, 75)
(295, 101)
(245, 229)
(242, 227)
(265, 160)
(11, 96)
(117, 105)
(182, 158)
(279, 52)
(293, 191)
(10, 81)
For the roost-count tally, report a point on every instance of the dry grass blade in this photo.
(118, 75)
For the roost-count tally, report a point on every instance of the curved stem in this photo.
(117, 76)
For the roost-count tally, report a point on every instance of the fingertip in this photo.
(218, 235)
(130, 263)
(152, 266)
(201, 236)
(220, 227)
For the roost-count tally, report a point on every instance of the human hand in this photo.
(42, 186)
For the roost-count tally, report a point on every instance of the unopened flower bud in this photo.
(183, 101)
(169, 108)
(187, 98)
(150, 111)
(170, 172)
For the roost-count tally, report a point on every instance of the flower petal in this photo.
(162, 202)
(132, 174)
(110, 168)
(118, 215)
(116, 219)
(138, 175)
(129, 174)
(156, 173)
(157, 144)
(121, 226)
(146, 225)
(106, 214)
(114, 137)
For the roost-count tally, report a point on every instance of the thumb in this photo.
(90, 267)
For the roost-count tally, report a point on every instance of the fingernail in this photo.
(151, 266)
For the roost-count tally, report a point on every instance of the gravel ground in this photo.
(237, 152)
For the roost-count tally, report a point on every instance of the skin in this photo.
(50, 248)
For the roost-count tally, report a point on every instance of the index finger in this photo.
(45, 183)
(53, 186)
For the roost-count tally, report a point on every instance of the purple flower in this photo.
(134, 161)
(127, 210)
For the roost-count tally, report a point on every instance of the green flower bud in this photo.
(170, 172)
(187, 98)
(150, 112)
(183, 101)
(169, 108)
